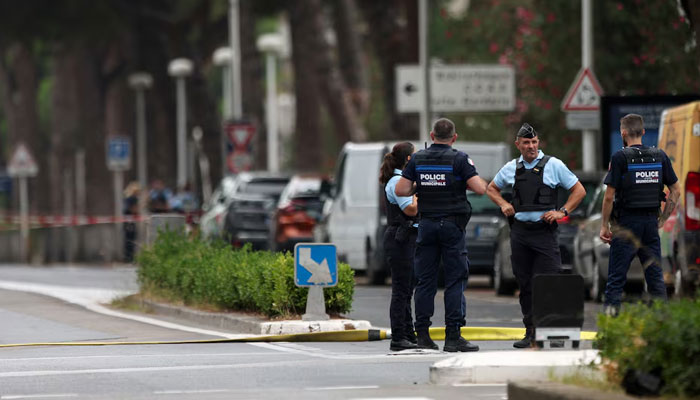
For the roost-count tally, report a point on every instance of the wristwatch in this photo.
(563, 209)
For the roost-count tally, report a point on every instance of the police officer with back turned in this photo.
(533, 215)
(635, 180)
(440, 176)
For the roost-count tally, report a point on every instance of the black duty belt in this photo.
(533, 226)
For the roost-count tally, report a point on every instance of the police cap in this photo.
(527, 131)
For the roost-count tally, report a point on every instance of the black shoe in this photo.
(401, 344)
(527, 341)
(425, 342)
(411, 337)
(454, 342)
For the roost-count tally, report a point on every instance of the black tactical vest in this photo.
(529, 191)
(395, 215)
(439, 190)
(642, 184)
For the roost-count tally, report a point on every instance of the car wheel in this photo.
(503, 286)
(598, 283)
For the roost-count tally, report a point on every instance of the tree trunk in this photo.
(350, 56)
(78, 123)
(252, 76)
(394, 36)
(692, 8)
(331, 84)
(307, 137)
(19, 83)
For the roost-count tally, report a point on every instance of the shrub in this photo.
(663, 339)
(200, 272)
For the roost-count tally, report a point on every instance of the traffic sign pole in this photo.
(24, 219)
(588, 136)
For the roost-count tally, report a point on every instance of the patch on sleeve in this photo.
(469, 160)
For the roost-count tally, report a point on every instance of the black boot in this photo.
(425, 342)
(411, 336)
(455, 342)
(527, 341)
(399, 344)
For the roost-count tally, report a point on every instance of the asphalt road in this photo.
(216, 371)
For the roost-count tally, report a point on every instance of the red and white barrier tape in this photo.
(79, 220)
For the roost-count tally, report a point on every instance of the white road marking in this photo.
(37, 396)
(91, 299)
(142, 356)
(478, 384)
(191, 391)
(25, 374)
(342, 387)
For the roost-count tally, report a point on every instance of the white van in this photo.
(352, 216)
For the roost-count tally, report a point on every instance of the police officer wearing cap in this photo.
(635, 183)
(440, 175)
(533, 215)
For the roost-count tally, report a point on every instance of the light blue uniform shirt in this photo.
(555, 174)
(390, 190)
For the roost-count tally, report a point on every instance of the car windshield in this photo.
(270, 187)
(481, 204)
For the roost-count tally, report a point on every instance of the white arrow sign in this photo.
(22, 163)
(320, 273)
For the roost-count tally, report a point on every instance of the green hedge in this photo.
(663, 338)
(201, 272)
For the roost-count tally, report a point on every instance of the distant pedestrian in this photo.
(132, 195)
(159, 197)
(533, 215)
(440, 175)
(635, 183)
(184, 200)
(400, 246)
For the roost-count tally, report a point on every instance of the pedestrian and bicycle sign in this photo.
(118, 153)
(315, 264)
(584, 94)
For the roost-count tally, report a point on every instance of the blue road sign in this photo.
(315, 264)
(118, 153)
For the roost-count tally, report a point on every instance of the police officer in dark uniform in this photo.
(636, 179)
(399, 246)
(440, 175)
(533, 215)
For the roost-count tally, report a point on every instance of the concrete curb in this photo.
(252, 324)
(503, 366)
(559, 391)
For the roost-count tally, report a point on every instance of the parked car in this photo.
(354, 218)
(503, 278)
(211, 224)
(249, 214)
(591, 255)
(679, 137)
(297, 212)
(482, 234)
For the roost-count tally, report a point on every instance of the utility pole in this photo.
(588, 135)
(424, 128)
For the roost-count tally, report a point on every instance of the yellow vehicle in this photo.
(679, 137)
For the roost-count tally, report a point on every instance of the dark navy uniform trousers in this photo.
(440, 239)
(635, 235)
(534, 250)
(400, 258)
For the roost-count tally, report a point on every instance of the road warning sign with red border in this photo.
(584, 94)
(22, 163)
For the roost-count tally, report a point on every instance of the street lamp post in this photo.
(271, 44)
(180, 68)
(222, 58)
(140, 82)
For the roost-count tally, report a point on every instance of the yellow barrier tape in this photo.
(361, 335)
